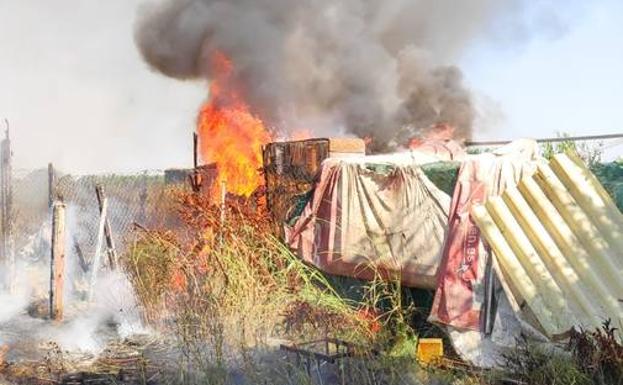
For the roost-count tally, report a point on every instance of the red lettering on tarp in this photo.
(458, 273)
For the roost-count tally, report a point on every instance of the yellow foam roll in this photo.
(516, 272)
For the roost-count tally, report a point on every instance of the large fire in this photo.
(437, 132)
(229, 134)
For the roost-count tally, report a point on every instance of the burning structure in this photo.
(371, 216)
(285, 79)
(291, 170)
(372, 70)
(291, 70)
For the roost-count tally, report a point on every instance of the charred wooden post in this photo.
(6, 210)
(290, 171)
(195, 177)
(95, 265)
(195, 151)
(51, 184)
(110, 244)
(84, 265)
(57, 261)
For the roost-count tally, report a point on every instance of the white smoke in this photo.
(112, 314)
(86, 326)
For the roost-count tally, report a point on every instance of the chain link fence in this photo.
(142, 198)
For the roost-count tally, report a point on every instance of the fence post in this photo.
(57, 261)
(110, 244)
(6, 215)
(51, 182)
(195, 150)
(95, 265)
(195, 178)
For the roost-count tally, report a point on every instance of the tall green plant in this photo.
(591, 154)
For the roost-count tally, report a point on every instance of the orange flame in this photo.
(437, 132)
(229, 134)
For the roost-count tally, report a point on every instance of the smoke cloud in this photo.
(371, 68)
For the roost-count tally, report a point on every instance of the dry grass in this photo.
(227, 290)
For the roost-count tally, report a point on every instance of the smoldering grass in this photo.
(228, 293)
(223, 289)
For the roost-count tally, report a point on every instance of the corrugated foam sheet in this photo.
(558, 241)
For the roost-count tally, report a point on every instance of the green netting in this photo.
(611, 176)
(443, 175)
(298, 205)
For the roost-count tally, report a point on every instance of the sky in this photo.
(77, 93)
(568, 81)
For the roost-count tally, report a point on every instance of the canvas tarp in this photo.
(470, 301)
(374, 214)
(460, 291)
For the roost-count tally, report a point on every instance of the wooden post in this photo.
(195, 177)
(110, 244)
(95, 265)
(7, 256)
(57, 261)
(195, 150)
(51, 182)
